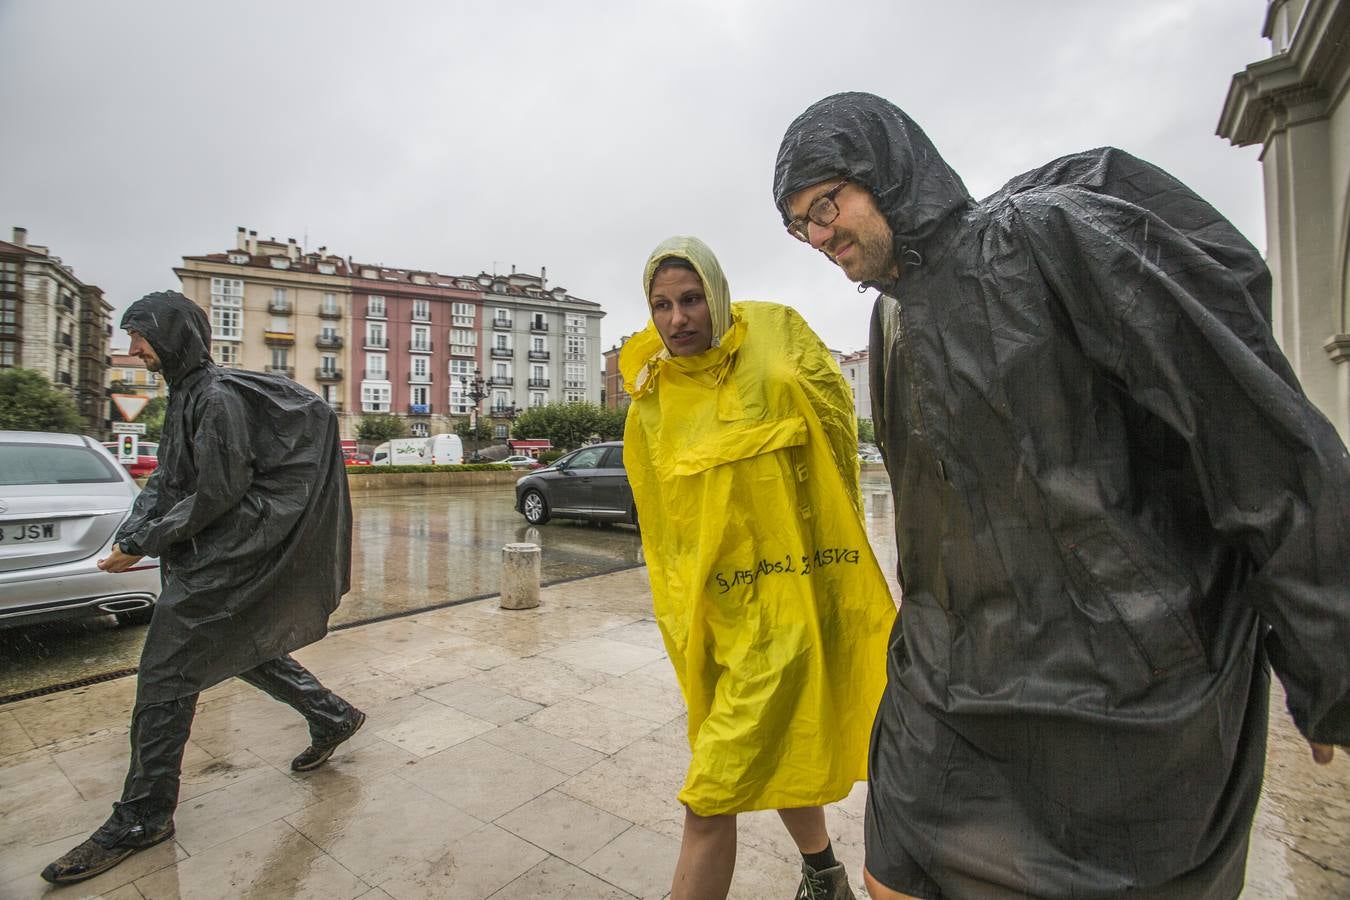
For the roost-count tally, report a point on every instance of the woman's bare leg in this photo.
(707, 858)
(807, 827)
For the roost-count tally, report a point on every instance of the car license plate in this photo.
(29, 532)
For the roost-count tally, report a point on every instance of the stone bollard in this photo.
(520, 576)
(881, 503)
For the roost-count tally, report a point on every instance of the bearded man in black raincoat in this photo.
(1115, 511)
(249, 515)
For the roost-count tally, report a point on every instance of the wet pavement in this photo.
(508, 754)
(410, 551)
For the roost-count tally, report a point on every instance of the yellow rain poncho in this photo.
(744, 466)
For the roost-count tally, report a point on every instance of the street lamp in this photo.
(474, 390)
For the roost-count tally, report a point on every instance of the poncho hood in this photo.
(176, 328)
(700, 256)
(875, 144)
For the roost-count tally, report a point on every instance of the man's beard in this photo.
(871, 258)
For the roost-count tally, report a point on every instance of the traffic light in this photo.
(126, 448)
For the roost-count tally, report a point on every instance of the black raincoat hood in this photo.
(176, 328)
(873, 143)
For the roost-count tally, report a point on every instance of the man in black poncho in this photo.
(249, 515)
(1115, 510)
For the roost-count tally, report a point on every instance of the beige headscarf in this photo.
(701, 257)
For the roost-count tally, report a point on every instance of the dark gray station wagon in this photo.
(589, 483)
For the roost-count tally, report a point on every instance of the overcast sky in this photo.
(464, 137)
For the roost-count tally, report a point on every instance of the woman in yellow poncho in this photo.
(741, 448)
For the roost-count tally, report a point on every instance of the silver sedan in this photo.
(62, 498)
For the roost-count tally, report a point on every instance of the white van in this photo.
(402, 452)
(444, 450)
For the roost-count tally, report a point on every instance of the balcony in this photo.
(335, 405)
(330, 312)
(538, 355)
(66, 340)
(328, 341)
(419, 379)
(327, 375)
(375, 312)
(503, 353)
(374, 343)
(501, 323)
(502, 412)
(421, 315)
(419, 409)
(288, 371)
(375, 374)
(419, 347)
(539, 326)
(501, 381)
(538, 382)
(279, 338)
(279, 307)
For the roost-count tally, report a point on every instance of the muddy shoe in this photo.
(827, 884)
(316, 755)
(93, 858)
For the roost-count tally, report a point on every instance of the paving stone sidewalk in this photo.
(507, 755)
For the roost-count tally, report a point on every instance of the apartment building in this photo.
(615, 397)
(275, 308)
(54, 323)
(415, 335)
(855, 368)
(371, 338)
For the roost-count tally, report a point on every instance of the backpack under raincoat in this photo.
(743, 463)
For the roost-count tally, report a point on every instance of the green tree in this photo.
(866, 433)
(153, 418)
(28, 402)
(569, 425)
(465, 431)
(381, 427)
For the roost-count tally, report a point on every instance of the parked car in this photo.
(589, 483)
(147, 457)
(62, 498)
(522, 462)
(358, 459)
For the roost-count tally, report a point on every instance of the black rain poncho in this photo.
(247, 511)
(1112, 502)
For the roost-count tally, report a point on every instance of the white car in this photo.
(62, 498)
(522, 462)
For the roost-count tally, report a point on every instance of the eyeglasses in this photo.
(823, 210)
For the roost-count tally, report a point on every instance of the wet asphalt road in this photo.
(410, 551)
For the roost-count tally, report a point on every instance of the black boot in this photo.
(119, 837)
(331, 719)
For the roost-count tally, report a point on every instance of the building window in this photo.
(460, 367)
(501, 342)
(128, 376)
(281, 358)
(9, 277)
(329, 304)
(328, 364)
(328, 333)
(375, 368)
(227, 309)
(576, 347)
(421, 339)
(375, 334)
(463, 342)
(225, 354)
(422, 310)
(9, 316)
(502, 317)
(576, 324)
(280, 323)
(418, 429)
(375, 397)
(574, 397)
(458, 404)
(418, 395)
(537, 344)
(500, 400)
(538, 398)
(419, 368)
(461, 314)
(575, 376)
(500, 370)
(6, 353)
(279, 296)
(375, 306)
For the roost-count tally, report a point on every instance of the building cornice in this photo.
(1338, 348)
(1304, 81)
